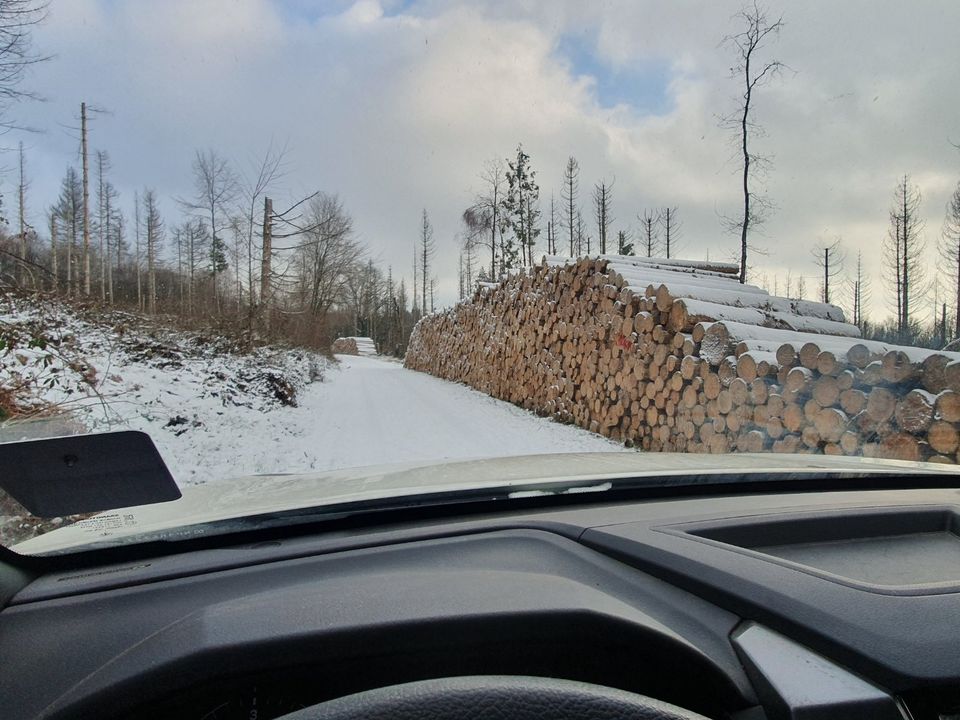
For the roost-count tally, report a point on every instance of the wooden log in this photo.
(831, 424)
(799, 380)
(951, 376)
(943, 437)
(947, 406)
(853, 401)
(897, 368)
(826, 391)
(932, 373)
(751, 442)
(900, 446)
(881, 404)
(914, 411)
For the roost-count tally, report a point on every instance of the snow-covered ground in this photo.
(215, 412)
(365, 412)
(371, 411)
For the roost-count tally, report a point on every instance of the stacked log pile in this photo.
(353, 346)
(673, 355)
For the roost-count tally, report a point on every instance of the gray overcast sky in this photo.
(396, 106)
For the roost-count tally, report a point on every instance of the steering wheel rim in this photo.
(494, 697)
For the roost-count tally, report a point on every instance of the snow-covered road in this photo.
(366, 411)
(373, 411)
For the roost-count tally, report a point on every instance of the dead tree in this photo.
(903, 253)
(860, 289)
(757, 30)
(829, 257)
(215, 188)
(950, 250)
(602, 197)
(86, 199)
(22, 189)
(426, 252)
(670, 224)
(571, 187)
(154, 229)
(269, 170)
(648, 232)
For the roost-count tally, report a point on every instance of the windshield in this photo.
(314, 238)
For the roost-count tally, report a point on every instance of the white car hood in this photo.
(517, 476)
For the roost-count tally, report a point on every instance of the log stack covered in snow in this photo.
(677, 355)
(353, 346)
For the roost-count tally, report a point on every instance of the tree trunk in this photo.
(265, 260)
(86, 199)
(53, 251)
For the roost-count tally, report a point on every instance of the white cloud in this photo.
(396, 108)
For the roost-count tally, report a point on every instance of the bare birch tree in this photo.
(215, 188)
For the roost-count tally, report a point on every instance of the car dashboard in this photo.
(824, 604)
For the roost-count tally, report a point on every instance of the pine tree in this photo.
(520, 205)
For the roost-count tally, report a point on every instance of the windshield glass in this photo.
(310, 237)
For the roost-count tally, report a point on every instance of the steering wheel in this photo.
(494, 697)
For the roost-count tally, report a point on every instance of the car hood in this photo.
(340, 491)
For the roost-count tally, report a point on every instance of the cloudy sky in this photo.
(395, 106)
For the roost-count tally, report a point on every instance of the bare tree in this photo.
(86, 198)
(485, 217)
(903, 250)
(670, 224)
(215, 188)
(53, 249)
(649, 222)
(602, 197)
(950, 251)
(21, 206)
(103, 164)
(111, 228)
(569, 194)
(68, 211)
(17, 21)
(326, 215)
(326, 252)
(829, 257)
(860, 290)
(757, 30)
(552, 228)
(138, 257)
(426, 251)
(582, 239)
(263, 175)
(154, 229)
